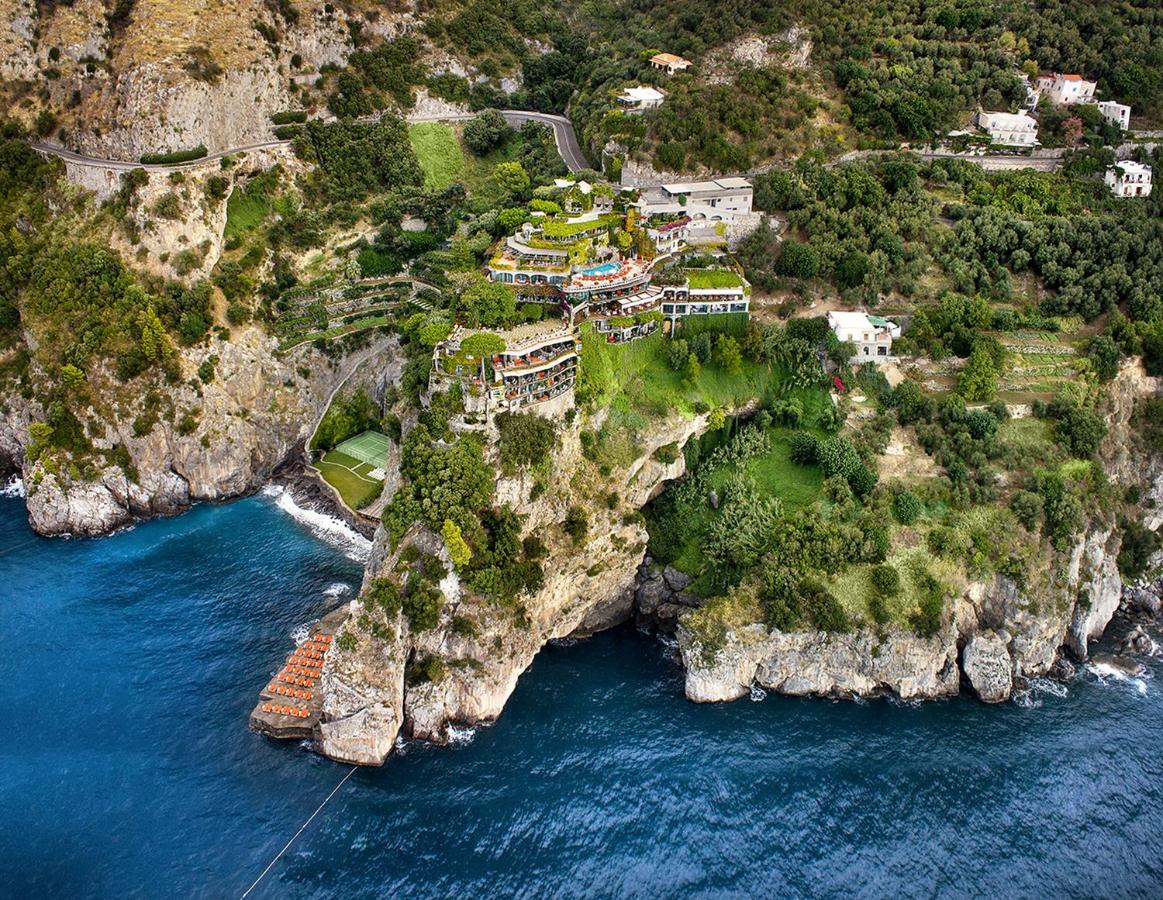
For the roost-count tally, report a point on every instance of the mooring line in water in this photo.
(302, 828)
(18, 546)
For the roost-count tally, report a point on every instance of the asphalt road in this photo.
(563, 135)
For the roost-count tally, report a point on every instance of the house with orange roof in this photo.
(670, 62)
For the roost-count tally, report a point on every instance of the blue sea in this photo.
(130, 663)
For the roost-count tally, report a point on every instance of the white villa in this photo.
(1063, 89)
(872, 335)
(640, 99)
(721, 200)
(1009, 129)
(669, 62)
(1129, 179)
(1116, 113)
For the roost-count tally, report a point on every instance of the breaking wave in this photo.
(13, 488)
(334, 531)
(338, 589)
(1107, 673)
(460, 736)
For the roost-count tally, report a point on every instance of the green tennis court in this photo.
(371, 447)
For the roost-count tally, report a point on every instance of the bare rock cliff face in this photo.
(257, 412)
(995, 618)
(815, 663)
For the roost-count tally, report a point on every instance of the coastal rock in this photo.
(986, 663)
(819, 664)
(257, 412)
(1094, 569)
(363, 697)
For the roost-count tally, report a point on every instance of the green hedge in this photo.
(178, 156)
(290, 117)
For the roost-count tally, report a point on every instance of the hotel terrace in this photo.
(538, 364)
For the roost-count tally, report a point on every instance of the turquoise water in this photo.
(603, 269)
(130, 665)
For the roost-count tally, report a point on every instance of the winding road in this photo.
(563, 135)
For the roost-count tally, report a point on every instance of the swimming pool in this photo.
(609, 268)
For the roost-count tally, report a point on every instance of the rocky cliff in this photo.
(996, 632)
(471, 661)
(197, 441)
(124, 79)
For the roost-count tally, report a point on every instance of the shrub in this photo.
(1139, 545)
(927, 622)
(175, 157)
(576, 524)
(486, 132)
(667, 453)
(1027, 506)
(458, 549)
(422, 606)
(907, 507)
(886, 579)
(525, 438)
(804, 448)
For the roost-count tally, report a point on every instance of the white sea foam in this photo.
(13, 488)
(1108, 673)
(758, 694)
(460, 736)
(327, 528)
(338, 589)
(300, 633)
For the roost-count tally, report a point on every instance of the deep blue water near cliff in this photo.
(128, 666)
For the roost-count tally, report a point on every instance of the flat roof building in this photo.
(1118, 114)
(641, 98)
(1129, 179)
(872, 335)
(1009, 129)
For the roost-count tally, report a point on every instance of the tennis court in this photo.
(371, 447)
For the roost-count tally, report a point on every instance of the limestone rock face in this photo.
(255, 414)
(819, 664)
(480, 647)
(363, 705)
(1094, 568)
(986, 663)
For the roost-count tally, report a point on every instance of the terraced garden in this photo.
(327, 312)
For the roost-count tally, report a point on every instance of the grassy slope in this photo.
(775, 475)
(636, 376)
(439, 153)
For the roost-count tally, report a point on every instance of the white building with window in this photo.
(721, 200)
(1116, 113)
(1009, 129)
(1065, 89)
(872, 335)
(640, 99)
(1129, 179)
(669, 62)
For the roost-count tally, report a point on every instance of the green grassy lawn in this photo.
(705, 279)
(349, 476)
(440, 154)
(637, 376)
(246, 208)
